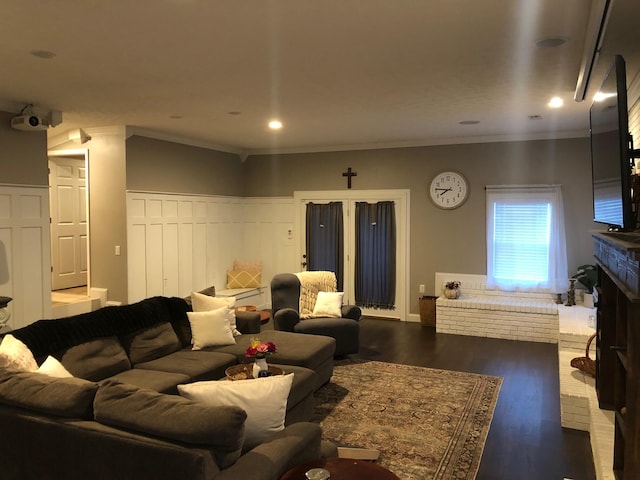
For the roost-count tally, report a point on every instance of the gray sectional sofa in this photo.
(119, 417)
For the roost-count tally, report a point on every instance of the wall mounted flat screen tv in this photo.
(611, 158)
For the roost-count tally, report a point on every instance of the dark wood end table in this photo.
(265, 315)
(342, 469)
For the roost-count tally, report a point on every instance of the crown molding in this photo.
(425, 143)
(78, 136)
(145, 132)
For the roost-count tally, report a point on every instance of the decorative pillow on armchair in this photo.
(328, 304)
(244, 278)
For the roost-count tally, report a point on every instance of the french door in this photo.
(349, 248)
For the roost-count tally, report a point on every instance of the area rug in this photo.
(426, 423)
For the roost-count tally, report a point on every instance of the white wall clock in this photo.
(449, 190)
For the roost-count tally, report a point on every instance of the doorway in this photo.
(68, 197)
(348, 201)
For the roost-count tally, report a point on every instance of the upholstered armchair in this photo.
(286, 306)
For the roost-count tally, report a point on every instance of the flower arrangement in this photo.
(259, 349)
(452, 285)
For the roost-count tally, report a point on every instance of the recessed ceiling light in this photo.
(551, 42)
(275, 124)
(45, 54)
(469, 122)
(556, 102)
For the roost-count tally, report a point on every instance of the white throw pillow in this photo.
(16, 355)
(204, 303)
(328, 304)
(52, 367)
(264, 399)
(210, 329)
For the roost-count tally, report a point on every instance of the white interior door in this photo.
(68, 200)
(349, 199)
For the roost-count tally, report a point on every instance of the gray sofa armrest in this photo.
(352, 312)
(247, 322)
(297, 443)
(286, 319)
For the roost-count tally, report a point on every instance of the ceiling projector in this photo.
(29, 123)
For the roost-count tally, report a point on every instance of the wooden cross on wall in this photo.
(349, 174)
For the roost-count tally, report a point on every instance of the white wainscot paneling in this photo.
(181, 243)
(171, 262)
(154, 259)
(183, 270)
(25, 259)
(137, 260)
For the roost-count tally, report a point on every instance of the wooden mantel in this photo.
(619, 255)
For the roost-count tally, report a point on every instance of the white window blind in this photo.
(526, 247)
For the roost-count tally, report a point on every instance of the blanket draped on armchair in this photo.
(310, 284)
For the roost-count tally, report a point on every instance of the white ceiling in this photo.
(338, 73)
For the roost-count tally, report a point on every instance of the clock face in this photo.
(449, 190)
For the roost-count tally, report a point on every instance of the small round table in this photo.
(265, 315)
(342, 469)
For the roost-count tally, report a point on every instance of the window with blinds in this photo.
(526, 246)
(521, 241)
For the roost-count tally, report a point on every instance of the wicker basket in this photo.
(585, 364)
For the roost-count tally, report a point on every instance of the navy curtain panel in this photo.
(375, 269)
(325, 239)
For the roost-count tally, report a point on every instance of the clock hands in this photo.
(452, 182)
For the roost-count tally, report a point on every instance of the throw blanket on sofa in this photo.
(46, 337)
(310, 284)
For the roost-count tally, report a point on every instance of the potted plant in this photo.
(452, 289)
(587, 275)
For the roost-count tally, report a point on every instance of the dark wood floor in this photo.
(526, 441)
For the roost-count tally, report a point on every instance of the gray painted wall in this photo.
(23, 155)
(161, 166)
(444, 241)
(108, 214)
